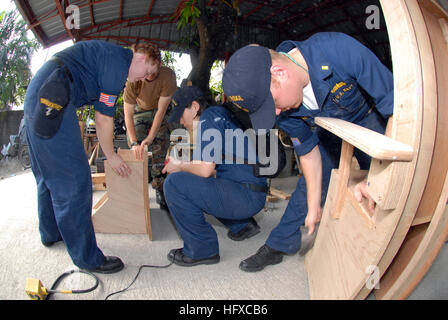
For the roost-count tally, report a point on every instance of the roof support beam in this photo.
(129, 40)
(92, 18)
(253, 11)
(63, 19)
(150, 8)
(127, 23)
(25, 8)
(120, 15)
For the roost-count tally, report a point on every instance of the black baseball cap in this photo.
(181, 99)
(247, 83)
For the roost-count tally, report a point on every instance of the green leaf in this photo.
(16, 51)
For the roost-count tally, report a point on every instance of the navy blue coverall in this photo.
(347, 80)
(227, 197)
(97, 70)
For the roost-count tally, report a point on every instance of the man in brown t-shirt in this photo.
(145, 105)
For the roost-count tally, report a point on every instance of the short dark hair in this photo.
(203, 102)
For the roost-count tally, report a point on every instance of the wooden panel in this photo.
(376, 145)
(421, 88)
(338, 265)
(417, 253)
(346, 249)
(125, 206)
(344, 173)
(439, 164)
(385, 183)
(363, 206)
(401, 260)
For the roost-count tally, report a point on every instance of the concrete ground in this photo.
(23, 256)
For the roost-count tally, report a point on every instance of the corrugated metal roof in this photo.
(266, 22)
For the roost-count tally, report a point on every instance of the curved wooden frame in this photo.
(399, 188)
(429, 230)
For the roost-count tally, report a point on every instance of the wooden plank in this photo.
(94, 153)
(125, 206)
(444, 25)
(434, 8)
(439, 165)
(345, 162)
(99, 181)
(421, 220)
(271, 198)
(279, 193)
(98, 178)
(376, 145)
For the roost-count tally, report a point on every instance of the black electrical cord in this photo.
(65, 274)
(97, 281)
(136, 276)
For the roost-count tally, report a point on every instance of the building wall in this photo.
(9, 124)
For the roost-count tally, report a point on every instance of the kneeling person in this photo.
(228, 191)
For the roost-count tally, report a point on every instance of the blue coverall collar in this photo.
(319, 67)
(317, 63)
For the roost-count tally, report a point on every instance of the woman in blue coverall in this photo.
(208, 184)
(87, 73)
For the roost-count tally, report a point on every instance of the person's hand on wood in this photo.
(139, 150)
(312, 218)
(172, 165)
(360, 192)
(119, 166)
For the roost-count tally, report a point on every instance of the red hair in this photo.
(148, 49)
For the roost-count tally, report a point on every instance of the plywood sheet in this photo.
(125, 206)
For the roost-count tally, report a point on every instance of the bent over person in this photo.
(89, 72)
(329, 75)
(228, 191)
(145, 104)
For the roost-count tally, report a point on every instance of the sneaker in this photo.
(265, 256)
(177, 257)
(111, 265)
(251, 229)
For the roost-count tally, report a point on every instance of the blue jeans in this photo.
(189, 196)
(64, 185)
(286, 236)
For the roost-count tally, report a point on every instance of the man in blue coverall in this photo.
(329, 75)
(87, 73)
